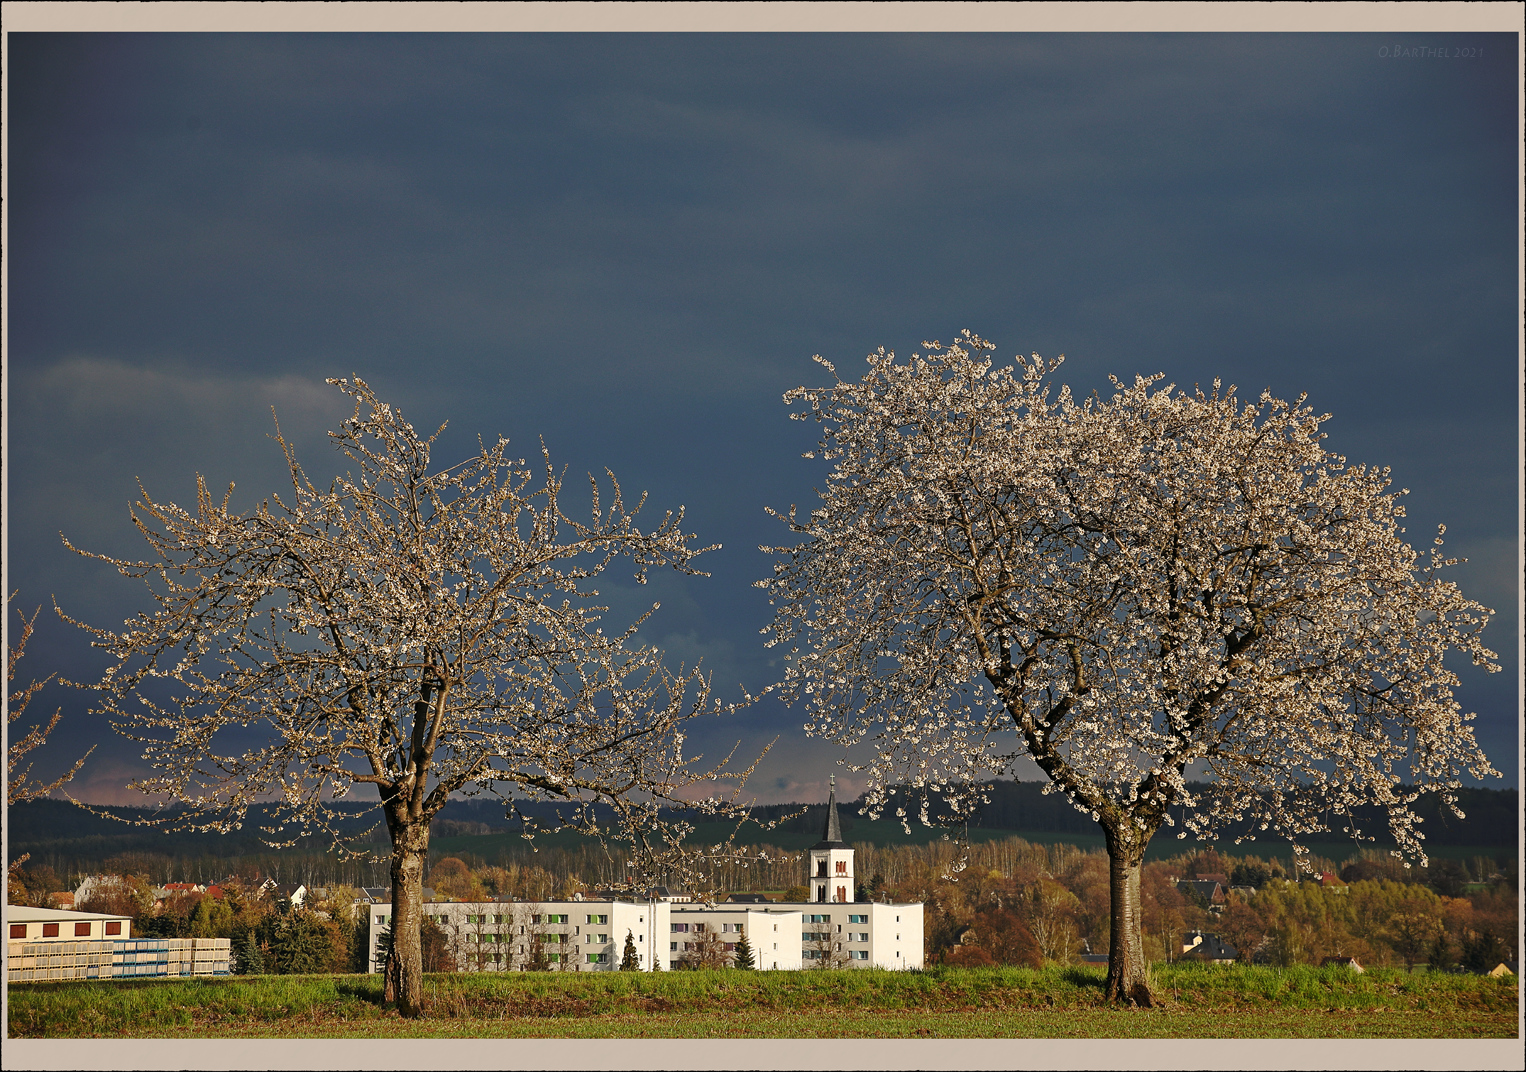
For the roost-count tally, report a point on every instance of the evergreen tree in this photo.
(743, 954)
(247, 959)
(304, 945)
(628, 959)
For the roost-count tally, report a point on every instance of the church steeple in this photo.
(831, 860)
(831, 837)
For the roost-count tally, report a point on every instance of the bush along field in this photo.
(1196, 1001)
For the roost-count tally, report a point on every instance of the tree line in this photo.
(999, 902)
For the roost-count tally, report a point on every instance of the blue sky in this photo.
(632, 245)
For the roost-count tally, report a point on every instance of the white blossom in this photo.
(1139, 583)
(424, 631)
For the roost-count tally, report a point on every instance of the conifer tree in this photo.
(628, 959)
(743, 958)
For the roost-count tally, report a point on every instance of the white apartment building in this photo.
(580, 935)
(833, 930)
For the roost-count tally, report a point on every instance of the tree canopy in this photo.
(1125, 590)
(424, 631)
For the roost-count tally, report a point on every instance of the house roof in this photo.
(1202, 887)
(1210, 947)
(748, 898)
(831, 837)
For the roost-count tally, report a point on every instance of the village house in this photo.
(1208, 890)
(1208, 948)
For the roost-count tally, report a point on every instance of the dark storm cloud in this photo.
(632, 245)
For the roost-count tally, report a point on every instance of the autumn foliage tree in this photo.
(1120, 589)
(425, 631)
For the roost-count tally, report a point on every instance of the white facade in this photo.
(831, 875)
(865, 934)
(773, 931)
(574, 935)
(24, 924)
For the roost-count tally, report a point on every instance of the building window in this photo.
(680, 928)
(842, 867)
(598, 958)
(18, 930)
(858, 954)
(50, 930)
(598, 919)
(672, 947)
(82, 930)
(858, 919)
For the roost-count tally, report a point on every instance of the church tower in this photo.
(831, 860)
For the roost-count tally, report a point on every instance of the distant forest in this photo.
(72, 839)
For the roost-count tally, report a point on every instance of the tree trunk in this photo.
(1127, 981)
(405, 967)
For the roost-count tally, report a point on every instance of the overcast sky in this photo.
(633, 245)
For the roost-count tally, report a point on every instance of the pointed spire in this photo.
(833, 833)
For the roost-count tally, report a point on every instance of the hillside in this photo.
(61, 831)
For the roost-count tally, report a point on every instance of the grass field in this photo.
(1196, 1002)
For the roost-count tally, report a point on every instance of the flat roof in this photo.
(26, 914)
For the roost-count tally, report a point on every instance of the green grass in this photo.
(1196, 1001)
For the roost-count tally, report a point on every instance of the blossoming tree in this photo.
(1127, 591)
(424, 631)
